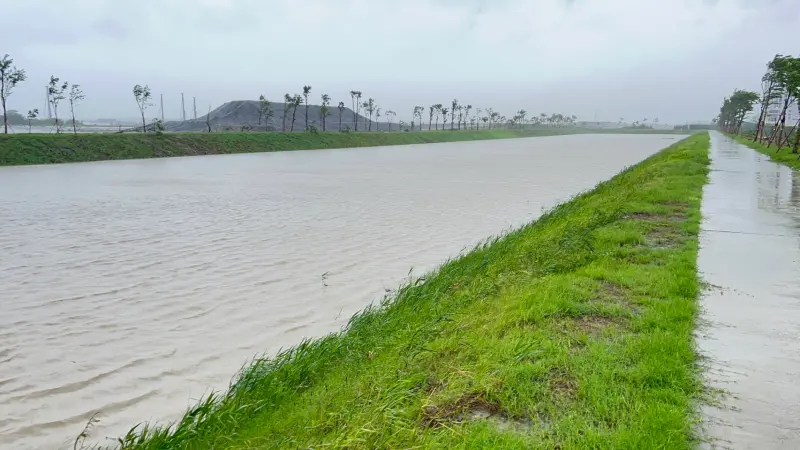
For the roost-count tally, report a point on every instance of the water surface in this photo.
(131, 288)
(750, 255)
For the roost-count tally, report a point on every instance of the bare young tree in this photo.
(355, 97)
(521, 114)
(10, 76)
(142, 95)
(75, 96)
(32, 115)
(369, 106)
(306, 92)
(390, 118)
(418, 110)
(341, 113)
(453, 112)
(325, 109)
(264, 109)
(56, 94)
(297, 100)
(288, 100)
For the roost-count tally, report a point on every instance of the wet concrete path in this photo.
(750, 254)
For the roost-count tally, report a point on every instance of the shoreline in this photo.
(31, 149)
(574, 331)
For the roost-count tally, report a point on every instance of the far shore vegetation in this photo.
(572, 332)
(364, 114)
(21, 149)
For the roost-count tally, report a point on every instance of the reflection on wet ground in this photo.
(750, 256)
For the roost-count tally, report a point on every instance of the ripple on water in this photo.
(132, 287)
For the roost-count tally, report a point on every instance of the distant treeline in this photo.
(15, 118)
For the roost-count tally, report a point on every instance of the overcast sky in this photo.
(594, 58)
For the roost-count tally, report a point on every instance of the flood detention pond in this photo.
(131, 289)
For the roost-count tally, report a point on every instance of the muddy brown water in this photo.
(132, 288)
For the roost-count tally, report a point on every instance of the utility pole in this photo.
(162, 108)
(194, 107)
(183, 109)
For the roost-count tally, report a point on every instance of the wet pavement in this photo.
(750, 256)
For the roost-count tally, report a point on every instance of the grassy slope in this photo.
(575, 332)
(19, 149)
(784, 156)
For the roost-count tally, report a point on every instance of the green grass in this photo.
(572, 332)
(18, 149)
(784, 156)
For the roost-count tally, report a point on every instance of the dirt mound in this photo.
(244, 114)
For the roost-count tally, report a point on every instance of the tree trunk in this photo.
(3, 99)
(72, 112)
(294, 114)
(144, 124)
(781, 119)
(323, 123)
(306, 113)
(796, 146)
(430, 122)
(340, 121)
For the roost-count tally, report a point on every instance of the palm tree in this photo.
(355, 96)
(341, 113)
(460, 115)
(306, 91)
(466, 114)
(478, 112)
(439, 109)
(444, 118)
(454, 105)
(297, 100)
(287, 102)
(378, 120)
(543, 118)
(431, 112)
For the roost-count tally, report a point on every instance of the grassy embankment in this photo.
(18, 149)
(572, 332)
(784, 156)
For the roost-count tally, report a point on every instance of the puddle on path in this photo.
(750, 257)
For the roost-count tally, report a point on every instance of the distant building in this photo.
(597, 125)
(776, 106)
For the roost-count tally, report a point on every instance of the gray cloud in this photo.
(610, 58)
